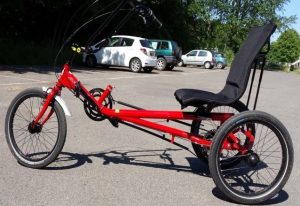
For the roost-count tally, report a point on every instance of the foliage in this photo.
(220, 24)
(226, 22)
(287, 48)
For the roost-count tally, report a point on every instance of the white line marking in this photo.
(103, 78)
(11, 84)
(20, 78)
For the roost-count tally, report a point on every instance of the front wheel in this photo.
(135, 65)
(220, 65)
(266, 154)
(37, 146)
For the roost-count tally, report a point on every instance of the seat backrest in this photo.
(240, 70)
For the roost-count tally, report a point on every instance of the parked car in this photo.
(200, 58)
(126, 51)
(221, 61)
(168, 53)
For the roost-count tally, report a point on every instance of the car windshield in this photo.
(145, 43)
(219, 55)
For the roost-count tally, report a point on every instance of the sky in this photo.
(291, 8)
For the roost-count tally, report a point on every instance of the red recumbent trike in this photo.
(250, 154)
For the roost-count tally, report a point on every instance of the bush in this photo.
(228, 53)
(18, 52)
(277, 66)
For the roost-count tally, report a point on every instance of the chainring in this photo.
(91, 109)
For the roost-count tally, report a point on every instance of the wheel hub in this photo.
(253, 159)
(36, 129)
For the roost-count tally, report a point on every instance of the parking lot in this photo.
(102, 165)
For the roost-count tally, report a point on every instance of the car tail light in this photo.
(144, 51)
(214, 60)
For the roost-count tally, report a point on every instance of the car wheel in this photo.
(91, 61)
(207, 65)
(183, 64)
(170, 67)
(161, 64)
(220, 65)
(135, 65)
(148, 69)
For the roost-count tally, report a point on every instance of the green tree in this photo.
(226, 22)
(287, 48)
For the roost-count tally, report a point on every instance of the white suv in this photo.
(199, 58)
(126, 51)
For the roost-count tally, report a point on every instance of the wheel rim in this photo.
(135, 65)
(219, 65)
(33, 144)
(207, 65)
(160, 64)
(208, 128)
(262, 168)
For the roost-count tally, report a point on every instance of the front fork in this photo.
(49, 100)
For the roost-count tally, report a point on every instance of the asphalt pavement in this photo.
(102, 165)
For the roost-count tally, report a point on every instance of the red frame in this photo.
(69, 80)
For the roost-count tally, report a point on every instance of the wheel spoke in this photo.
(261, 168)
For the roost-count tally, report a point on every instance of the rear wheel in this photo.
(208, 128)
(267, 157)
(135, 65)
(161, 64)
(37, 146)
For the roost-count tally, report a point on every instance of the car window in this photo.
(127, 42)
(114, 42)
(164, 45)
(202, 54)
(218, 55)
(192, 53)
(174, 44)
(154, 44)
(145, 43)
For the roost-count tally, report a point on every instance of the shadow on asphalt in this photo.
(79, 69)
(138, 158)
(282, 196)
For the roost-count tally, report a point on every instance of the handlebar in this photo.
(143, 11)
(146, 13)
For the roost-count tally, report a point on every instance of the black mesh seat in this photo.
(238, 77)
